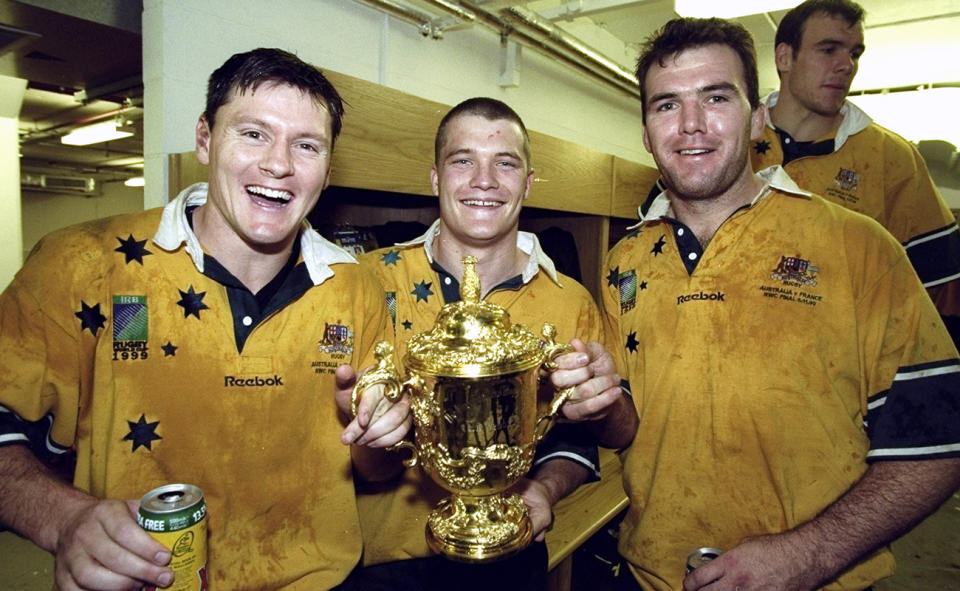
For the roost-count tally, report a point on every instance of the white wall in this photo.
(185, 40)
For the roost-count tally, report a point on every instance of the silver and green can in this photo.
(175, 515)
(701, 556)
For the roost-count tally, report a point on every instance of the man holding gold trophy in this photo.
(482, 174)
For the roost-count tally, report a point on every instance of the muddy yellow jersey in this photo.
(394, 515)
(135, 358)
(870, 169)
(768, 370)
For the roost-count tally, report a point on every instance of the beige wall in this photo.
(11, 96)
(45, 212)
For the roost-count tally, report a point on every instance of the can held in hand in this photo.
(175, 515)
(701, 556)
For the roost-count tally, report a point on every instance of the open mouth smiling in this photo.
(481, 203)
(276, 196)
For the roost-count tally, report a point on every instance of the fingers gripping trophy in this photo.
(473, 381)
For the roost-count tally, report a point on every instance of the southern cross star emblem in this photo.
(169, 350)
(407, 325)
(132, 249)
(658, 246)
(762, 147)
(142, 433)
(632, 342)
(390, 258)
(613, 277)
(192, 302)
(90, 318)
(422, 291)
(643, 285)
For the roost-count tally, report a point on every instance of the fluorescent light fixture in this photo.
(134, 181)
(104, 131)
(729, 8)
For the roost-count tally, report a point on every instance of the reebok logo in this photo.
(235, 382)
(717, 297)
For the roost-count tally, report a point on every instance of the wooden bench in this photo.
(581, 515)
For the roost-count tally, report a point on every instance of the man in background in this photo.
(798, 394)
(204, 355)
(482, 174)
(829, 146)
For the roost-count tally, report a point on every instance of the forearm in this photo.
(890, 499)
(34, 501)
(560, 478)
(617, 429)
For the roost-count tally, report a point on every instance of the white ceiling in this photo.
(909, 42)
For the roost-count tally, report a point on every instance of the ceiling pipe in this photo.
(527, 29)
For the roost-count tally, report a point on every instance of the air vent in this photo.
(57, 183)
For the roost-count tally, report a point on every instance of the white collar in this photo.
(318, 253)
(854, 119)
(527, 242)
(773, 177)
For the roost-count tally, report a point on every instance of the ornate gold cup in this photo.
(473, 381)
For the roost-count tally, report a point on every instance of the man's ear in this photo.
(434, 181)
(203, 141)
(783, 57)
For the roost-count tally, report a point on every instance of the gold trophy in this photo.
(473, 383)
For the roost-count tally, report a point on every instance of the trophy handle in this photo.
(384, 373)
(553, 349)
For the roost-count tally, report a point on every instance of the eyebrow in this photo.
(467, 151)
(837, 43)
(717, 86)
(251, 120)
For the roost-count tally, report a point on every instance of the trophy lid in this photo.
(473, 338)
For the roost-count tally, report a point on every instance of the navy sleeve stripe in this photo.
(573, 457)
(932, 235)
(936, 255)
(925, 452)
(8, 438)
(926, 370)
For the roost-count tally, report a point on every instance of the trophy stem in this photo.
(479, 528)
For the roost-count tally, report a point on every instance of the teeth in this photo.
(481, 203)
(270, 193)
(693, 152)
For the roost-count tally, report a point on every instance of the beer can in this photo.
(701, 556)
(175, 515)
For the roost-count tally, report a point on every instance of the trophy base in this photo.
(479, 529)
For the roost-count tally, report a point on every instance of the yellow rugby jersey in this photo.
(134, 353)
(767, 371)
(871, 170)
(393, 516)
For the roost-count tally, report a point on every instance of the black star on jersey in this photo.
(632, 342)
(422, 291)
(169, 350)
(643, 285)
(192, 302)
(407, 325)
(90, 318)
(613, 278)
(658, 246)
(390, 258)
(142, 433)
(762, 147)
(132, 249)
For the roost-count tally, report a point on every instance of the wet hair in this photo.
(247, 71)
(689, 33)
(488, 108)
(790, 30)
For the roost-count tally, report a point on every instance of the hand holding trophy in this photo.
(473, 381)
